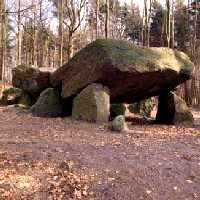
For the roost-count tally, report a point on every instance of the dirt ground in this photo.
(64, 159)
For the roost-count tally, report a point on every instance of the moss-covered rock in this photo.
(146, 107)
(143, 107)
(119, 124)
(49, 104)
(117, 109)
(173, 110)
(92, 104)
(183, 115)
(30, 79)
(13, 95)
(131, 73)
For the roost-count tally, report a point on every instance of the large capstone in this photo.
(131, 73)
(31, 79)
(49, 104)
(92, 104)
(173, 110)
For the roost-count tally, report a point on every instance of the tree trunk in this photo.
(146, 23)
(143, 26)
(97, 19)
(46, 52)
(35, 33)
(19, 35)
(4, 51)
(168, 22)
(187, 92)
(149, 23)
(54, 55)
(2, 39)
(107, 25)
(61, 32)
(70, 46)
(172, 39)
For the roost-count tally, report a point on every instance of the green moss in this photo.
(51, 96)
(16, 96)
(25, 70)
(12, 90)
(11, 96)
(119, 124)
(183, 114)
(92, 104)
(116, 110)
(134, 108)
(143, 107)
(184, 117)
(84, 107)
(48, 104)
(108, 56)
(25, 67)
(146, 107)
(126, 55)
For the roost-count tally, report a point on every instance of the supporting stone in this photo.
(48, 104)
(92, 104)
(173, 110)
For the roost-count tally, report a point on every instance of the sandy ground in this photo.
(63, 159)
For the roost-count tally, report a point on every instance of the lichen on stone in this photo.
(92, 104)
(48, 104)
(126, 55)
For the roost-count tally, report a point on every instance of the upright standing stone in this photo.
(116, 110)
(173, 110)
(48, 104)
(92, 104)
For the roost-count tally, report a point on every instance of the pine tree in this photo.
(157, 25)
(181, 26)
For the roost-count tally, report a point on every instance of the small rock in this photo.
(119, 124)
(189, 181)
(148, 191)
(175, 188)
